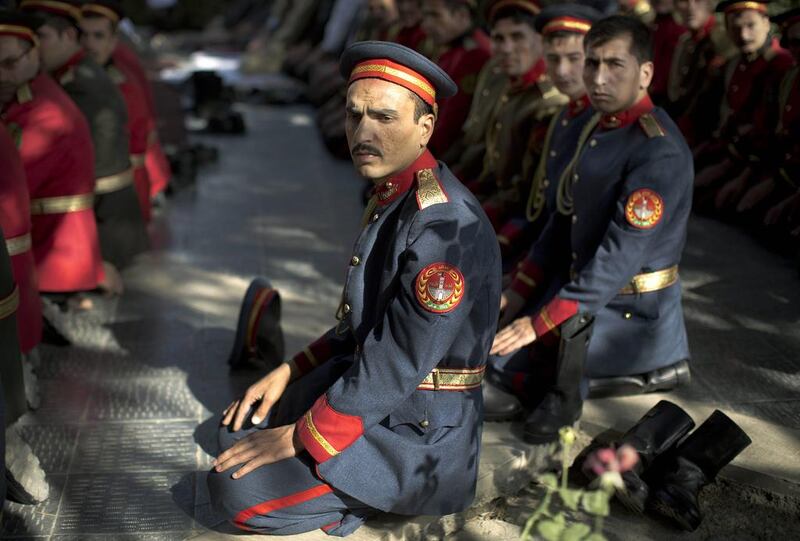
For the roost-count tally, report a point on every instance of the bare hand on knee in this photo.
(267, 390)
(517, 335)
(259, 449)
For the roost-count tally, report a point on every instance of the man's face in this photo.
(382, 12)
(748, 30)
(410, 12)
(564, 57)
(381, 131)
(516, 45)
(792, 39)
(99, 38)
(19, 63)
(56, 47)
(694, 13)
(442, 24)
(613, 77)
(663, 7)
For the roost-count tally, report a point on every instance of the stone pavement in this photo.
(127, 426)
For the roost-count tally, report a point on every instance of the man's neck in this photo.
(72, 51)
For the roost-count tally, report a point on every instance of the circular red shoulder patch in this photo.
(440, 288)
(644, 209)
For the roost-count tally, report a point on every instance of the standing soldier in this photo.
(463, 50)
(15, 218)
(56, 151)
(119, 218)
(99, 27)
(381, 401)
(696, 63)
(667, 31)
(628, 190)
(750, 81)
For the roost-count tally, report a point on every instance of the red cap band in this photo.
(397, 74)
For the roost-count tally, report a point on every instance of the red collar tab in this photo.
(381, 68)
(73, 61)
(576, 107)
(532, 76)
(399, 184)
(627, 117)
(705, 31)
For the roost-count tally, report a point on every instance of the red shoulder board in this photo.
(440, 288)
(644, 209)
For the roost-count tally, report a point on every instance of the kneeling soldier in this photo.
(384, 412)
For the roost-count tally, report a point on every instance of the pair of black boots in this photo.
(674, 465)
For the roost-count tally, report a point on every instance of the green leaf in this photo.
(576, 532)
(596, 537)
(595, 502)
(549, 480)
(551, 529)
(571, 498)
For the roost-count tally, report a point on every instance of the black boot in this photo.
(259, 339)
(662, 379)
(499, 405)
(656, 433)
(696, 462)
(562, 405)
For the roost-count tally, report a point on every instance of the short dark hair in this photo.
(518, 15)
(421, 107)
(559, 34)
(617, 26)
(61, 24)
(454, 5)
(114, 25)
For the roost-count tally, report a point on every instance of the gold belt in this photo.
(452, 379)
(62, 204)
(19, 245)
(10, 304)
(137, 160)
(651, 281)
(113, 183)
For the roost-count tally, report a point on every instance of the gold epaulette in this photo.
(24, 94)
(67, 78)
(651, 126)
(429, 190)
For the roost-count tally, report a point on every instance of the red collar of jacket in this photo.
(399, 184)
(74, 60)
(629, 116)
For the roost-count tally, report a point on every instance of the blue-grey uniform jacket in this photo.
(401, 429)
(630, 192)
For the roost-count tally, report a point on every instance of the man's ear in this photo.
(646, 70)
(426, 124)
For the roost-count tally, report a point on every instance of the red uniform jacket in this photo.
(666, 33)
(462, 61)
(15, 220)
(58, 157)
(140, 125)
(156, 163)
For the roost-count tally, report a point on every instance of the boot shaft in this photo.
(574, 344)
(712, 446)
(658, 431)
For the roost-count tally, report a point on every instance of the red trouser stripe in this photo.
(279, 503)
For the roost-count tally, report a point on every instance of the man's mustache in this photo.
(365, 148)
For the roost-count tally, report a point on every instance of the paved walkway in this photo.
(128, 418)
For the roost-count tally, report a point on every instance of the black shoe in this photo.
(259, 339)
(25, 480)
(659, 380)
(696, 463)
(499, 405)
(562, 405)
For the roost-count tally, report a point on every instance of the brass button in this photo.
(546, 183)
(424, 423)
(593, 143)
(574, 256)
(498, 126)
(552, 153)
(564, 122)
(504, 99)
(375, 217)
(574, 219)
(575, 177)
(628, 315)
(346, 308)
(356, 261)
(485, 92)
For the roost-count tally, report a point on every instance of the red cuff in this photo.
(527, 278)
(313, 356)
(325, 432)
(554, 314)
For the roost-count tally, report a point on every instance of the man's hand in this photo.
(267, 390)
(517, 335)
(259, 449)
(510, 305)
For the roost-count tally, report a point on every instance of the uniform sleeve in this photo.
(415, 333)
(327, 346)
(660, 176)
(551, 247)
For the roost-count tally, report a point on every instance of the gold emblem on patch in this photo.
(644, 209)
(440, 288)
